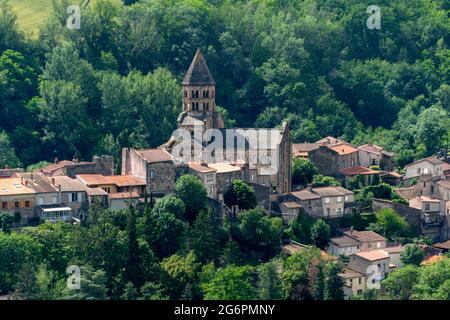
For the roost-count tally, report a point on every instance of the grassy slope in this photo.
(31, 14)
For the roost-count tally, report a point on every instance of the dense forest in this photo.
(115, 82)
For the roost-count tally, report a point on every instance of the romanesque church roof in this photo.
(198, 73)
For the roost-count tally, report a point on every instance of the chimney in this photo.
(21, 180)
(32, 177)
(59, 193)
(309, 187)
(26, 183)
(56, 160)
(351, 230)
(53, 181)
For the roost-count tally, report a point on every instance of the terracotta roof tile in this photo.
(155, 155)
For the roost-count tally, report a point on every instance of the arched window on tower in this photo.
(196, 94)
(193, 105)
(204, 106)
(204, 94)
(193, 94)
(196, 106)
(213, 93)
(207, 106)
(207, 93)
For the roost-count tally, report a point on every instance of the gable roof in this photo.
(373, 255)
(155, 155)
(304, 147)
(352, 171)
(198, 72)
(332, 191)
(433, 160)
(343, 148)
(364, 236)
(345, 241)
(120, 181)
(200, 167)
(13, 186)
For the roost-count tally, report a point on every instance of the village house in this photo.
(354, 282)
(428, 166)
(373, 155)
(154, 166)
(17, 198)
(99, 165)
(122, 190)
(367, 262)
(207, 175)
(353, 241)
(302, 150)
(72, 194)
(322, 202)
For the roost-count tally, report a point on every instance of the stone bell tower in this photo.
(199, 92)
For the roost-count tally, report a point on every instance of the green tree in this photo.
(389, 223)
(412, 254)
(320, 233)
(269, 280)
(400, 283)
(206, 236)
(334, 282)
(320, 180)
(19, 249)
(303, 171)
(92, 286)
(163, 232)
(8, 156)
(130, 292)
(180, 274)
(191, 191)
(241, 194)
(260, 232)
(432, 126)
(231, 283)
(171, 204)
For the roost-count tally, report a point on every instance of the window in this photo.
(432, 189)
(359, 281)
(427, 206)
(369, 245)
(74, 197)
(27, 204)
(108, 190)
(327, 200)
(152, 174)
(378, 244)
(418, 170)
(328, 211)
(16, 204)
(40, 201)
(192, 94)
(4, 205)
(185, 93)
(339, 199)
(346, 198)
(359, 292)
(196, 94)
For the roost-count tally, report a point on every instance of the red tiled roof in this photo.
(56, 166)
(123, 195)
(352, 171)
(155, 155)
(200, 168)
(343, 149)
(120, 181)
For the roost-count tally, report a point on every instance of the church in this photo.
(202, 146)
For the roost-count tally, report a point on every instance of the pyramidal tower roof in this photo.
(198, 73)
